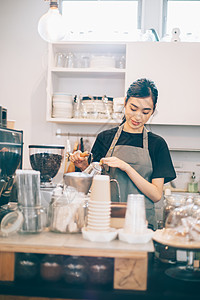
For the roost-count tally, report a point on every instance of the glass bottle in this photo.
(193, 184)
(77, 107)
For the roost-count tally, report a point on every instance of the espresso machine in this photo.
(11, 152)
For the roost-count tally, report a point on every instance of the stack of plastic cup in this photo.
(29, 201)
(135, 218)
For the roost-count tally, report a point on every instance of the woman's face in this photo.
(137, 113)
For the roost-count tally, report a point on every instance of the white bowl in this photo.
(95, 236)
(136, 238)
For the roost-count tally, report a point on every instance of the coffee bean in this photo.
(47, 163)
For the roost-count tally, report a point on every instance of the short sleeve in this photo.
(102, 144)
(162, 162)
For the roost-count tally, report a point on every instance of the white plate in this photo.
(139, 238)
(95, 236)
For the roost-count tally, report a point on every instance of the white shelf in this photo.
(85, 72)
(85, 81)
(91, 47)
(84, 121)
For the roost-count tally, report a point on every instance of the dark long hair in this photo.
(142, 88)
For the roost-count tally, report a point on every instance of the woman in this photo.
(139, 160)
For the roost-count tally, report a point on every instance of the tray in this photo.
(162, 237)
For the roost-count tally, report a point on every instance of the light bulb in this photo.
(50, 26)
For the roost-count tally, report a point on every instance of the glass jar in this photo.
(100, 270)
(26, 266)
(51, 268)
(171, 202)
(75, 270)
(196, 200)
(68, 214)
(34, 219)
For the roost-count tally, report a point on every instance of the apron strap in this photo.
(145, 138)
(114, 141)
(117, 135)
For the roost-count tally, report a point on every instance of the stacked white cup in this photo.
(99, 207)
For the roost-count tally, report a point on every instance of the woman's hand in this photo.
(152, 190)
(115, 162)
(79, 159)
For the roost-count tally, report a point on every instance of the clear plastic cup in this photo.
(135, 218)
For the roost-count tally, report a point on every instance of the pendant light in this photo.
(50, 26)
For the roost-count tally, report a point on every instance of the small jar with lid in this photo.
(26, 266)
(196, 206)
(100, 270)
(51, 268)
(75, 270)
(67, 211)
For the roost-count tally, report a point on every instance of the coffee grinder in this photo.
(11, 150)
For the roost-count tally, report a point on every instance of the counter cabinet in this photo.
(130, 261)
(146, 283)
(159, 287)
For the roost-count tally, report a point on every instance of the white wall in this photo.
(23, 68)
(23, 61)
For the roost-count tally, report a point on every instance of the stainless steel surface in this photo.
(79, 180)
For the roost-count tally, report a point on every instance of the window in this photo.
(102, 20)
(186, 16)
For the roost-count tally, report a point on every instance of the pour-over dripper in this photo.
(79, 180)
(46, 159)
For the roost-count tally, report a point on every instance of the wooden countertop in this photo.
(70, 244)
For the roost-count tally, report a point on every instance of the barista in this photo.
(137, 158)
